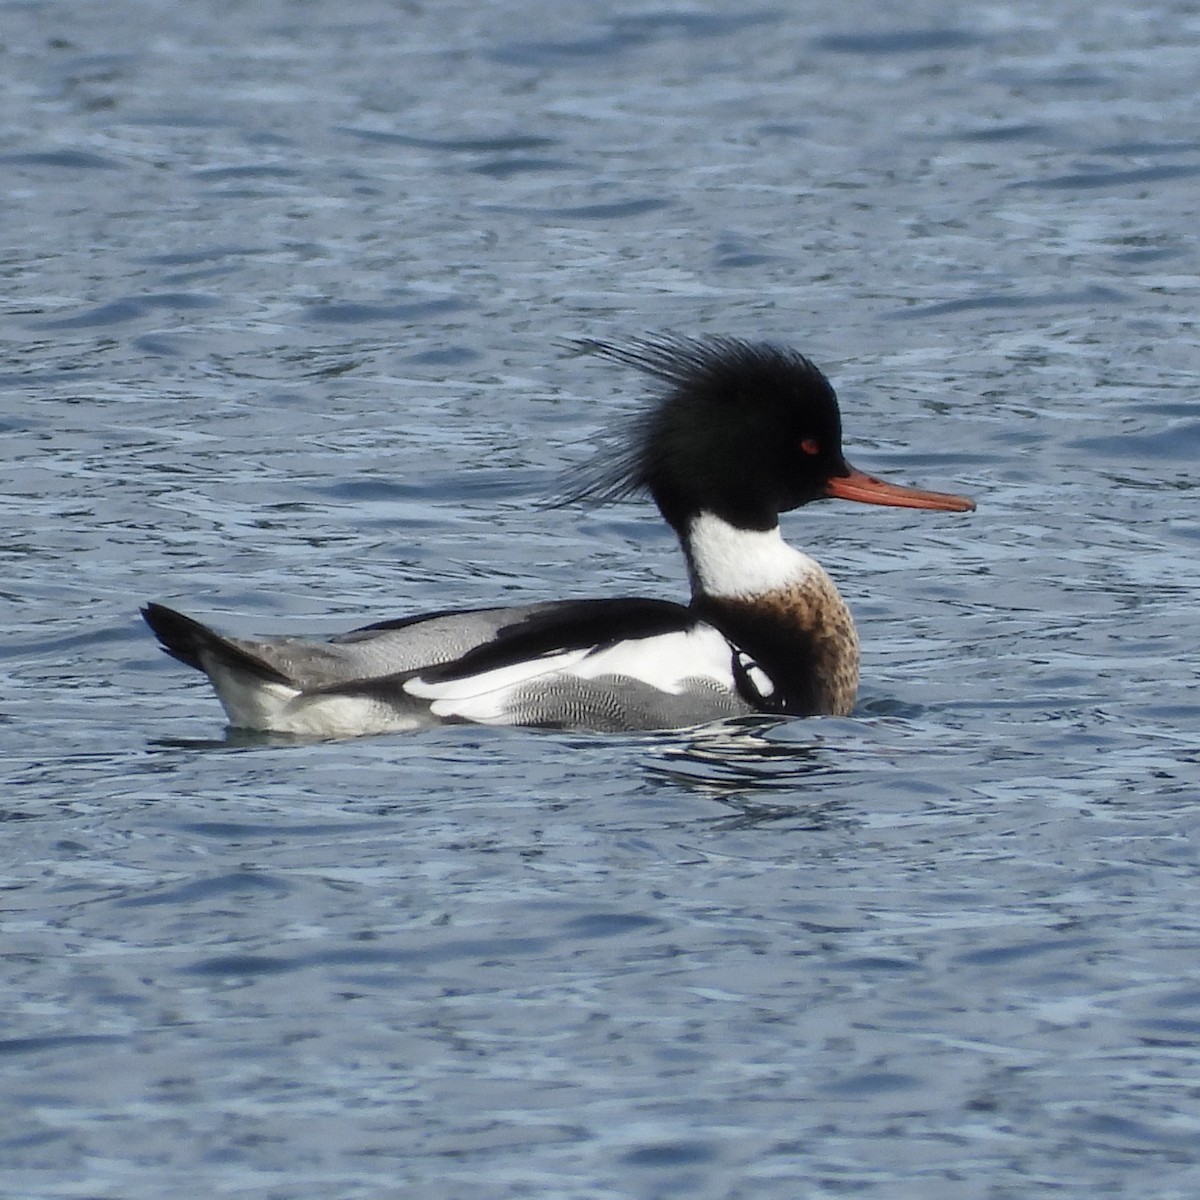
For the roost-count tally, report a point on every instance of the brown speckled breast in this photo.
(802, 636)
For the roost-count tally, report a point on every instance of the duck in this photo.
(735, 433)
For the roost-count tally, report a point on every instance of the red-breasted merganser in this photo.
(738, 433)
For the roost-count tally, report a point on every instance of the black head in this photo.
(744, 430)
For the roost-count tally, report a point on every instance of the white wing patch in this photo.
(668, 662)
(756, 676)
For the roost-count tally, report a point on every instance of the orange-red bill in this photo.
(866, 489)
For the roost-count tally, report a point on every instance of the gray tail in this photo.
(185, 639)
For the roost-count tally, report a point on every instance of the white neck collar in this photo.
(728, 562)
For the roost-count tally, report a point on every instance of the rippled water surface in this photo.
(286, 287)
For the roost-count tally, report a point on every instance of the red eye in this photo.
(810, 446)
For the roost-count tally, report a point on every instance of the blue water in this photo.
(286, 290)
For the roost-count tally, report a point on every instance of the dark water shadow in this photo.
(234, 740)
(1084, 180)
(760, 770)
(131, 308)
(73, 160)
(766, 770)
(622, 33)
(480, 145)
(610, 211)
(1012, 301)
(898, 41)
(347, 312)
